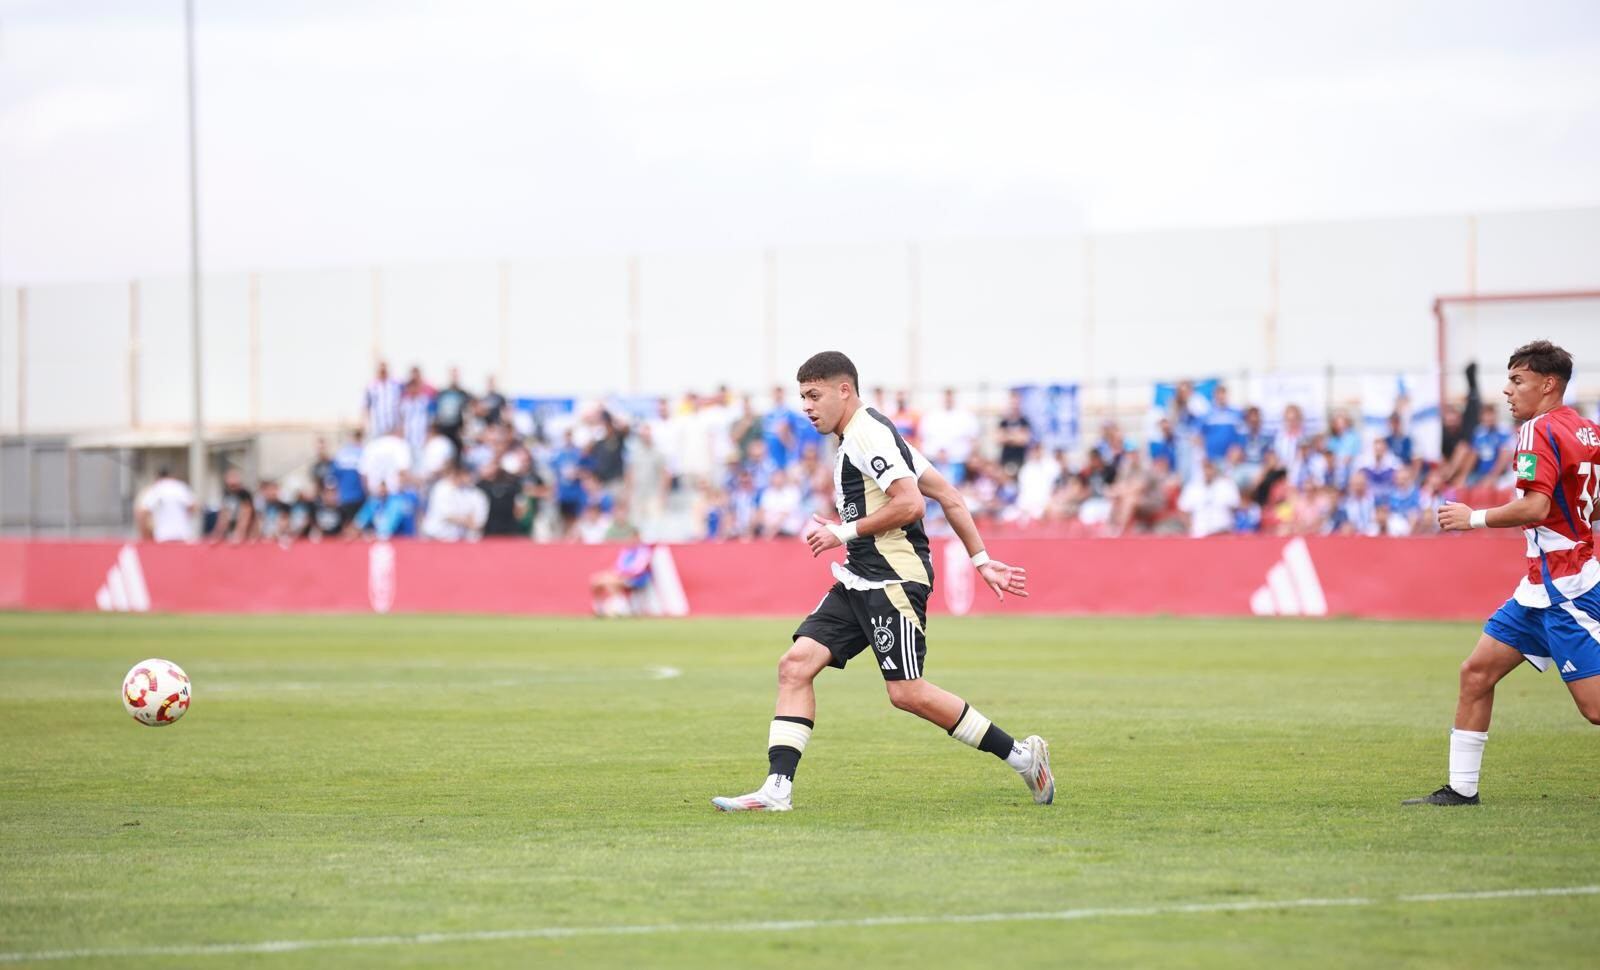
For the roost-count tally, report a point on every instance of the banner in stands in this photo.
(1449, 577)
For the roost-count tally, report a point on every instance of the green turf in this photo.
(361, 777)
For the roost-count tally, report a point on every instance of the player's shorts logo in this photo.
(880, 465)
(1527, 466)
(883, 633)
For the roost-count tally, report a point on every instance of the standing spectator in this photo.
(346, 476)
(1188, 409)
(384, 460)
(1164, 443)
(1381, 470)
(949, 435)
(236, 518)
(1358, 513)
(1290, 437)
(1016, 434)
(782, 509)
(647, 478)
(1256, 439)
(1036, 482)
(273, 512)
(1490, 448)
(381, 406)
(1398, 441)
(1112, 449)
(1221, 427)
(1209, 500)
(416, 413)
(1345, 443)
(605, 454)
(501, 488)
(450, 408)
(492, 406)
(166, 510)
(906, 419)
(438, 453)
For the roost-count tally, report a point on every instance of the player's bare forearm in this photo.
(932, 484)
(1531, 508)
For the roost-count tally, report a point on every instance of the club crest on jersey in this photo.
(880, 464)
(883, 633)
(1527, 466)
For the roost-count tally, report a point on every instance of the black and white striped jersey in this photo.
(872, 455)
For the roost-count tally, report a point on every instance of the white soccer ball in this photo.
(156, 692)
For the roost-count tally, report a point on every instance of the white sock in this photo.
(778, 786)
(1020, 758)
(1466, 759)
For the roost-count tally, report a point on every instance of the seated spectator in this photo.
(438, 453)
(1036, 481)
(1357, 513)
(596, 524)
(1164, 444)
(1344, 443)
(1209, 500)
(782, 511)
(1257, 441)
(1380, 471)
(331, 517)
(612, 590)
(906, 419)
(303, 514)
(457, 508)
(387, 514)
(500, 488)
(384, 460)
(1388, 523)
(274, 514)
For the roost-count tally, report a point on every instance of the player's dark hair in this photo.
(826, 366)
(1543, 357)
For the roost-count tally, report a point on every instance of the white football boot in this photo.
(1041, 783)
(774, 796)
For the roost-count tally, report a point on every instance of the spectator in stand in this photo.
(1036, 482)
(416, 413)
(450, 408)
(906, 419)
(605, 454)
(536, 492)
(1387, 522)
(1113, 449)
(457, 509)
(236, 517)
(1383, 466)
(1209, 500)
(321, 464)
(1163, 444)
(758, 464)
(1221, 427)
(1016, 434)
(744, 499)
(1344, 441)
(1406, 499)
(346, 476)
(782, 506)
(596, 524)
(274, 514)
(948, 437)
(303, 513)
(1291, 437)
(438, 453)
(387, 514)
(166, 509)
(1491, 448)
(788, 433)
(381, 404)
(1398, 441)
(1188, 410)
(384, 460)
(1256, 439)
(500, 487)
(491, 407)
(332, 515)
(567, 465)
(1358, 512)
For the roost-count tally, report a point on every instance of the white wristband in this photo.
(980, 559)
(844, 532)
(1480, 519)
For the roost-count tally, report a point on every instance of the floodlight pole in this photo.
(197, 432)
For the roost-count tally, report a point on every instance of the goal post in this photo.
(1487, 327)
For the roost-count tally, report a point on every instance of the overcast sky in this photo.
(342, 132)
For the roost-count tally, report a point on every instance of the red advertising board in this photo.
(1445, 577)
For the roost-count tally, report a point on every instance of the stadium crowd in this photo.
(450, 464)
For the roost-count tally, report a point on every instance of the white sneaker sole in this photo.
(749, 803)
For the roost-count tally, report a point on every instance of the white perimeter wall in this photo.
(296, 347)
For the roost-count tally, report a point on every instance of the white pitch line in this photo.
(778, 926)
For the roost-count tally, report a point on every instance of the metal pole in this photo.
(197, 439)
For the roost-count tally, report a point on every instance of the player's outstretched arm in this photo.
(1527, 510)
(1001, 578)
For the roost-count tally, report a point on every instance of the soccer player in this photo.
(880, 597)
(1554, 615)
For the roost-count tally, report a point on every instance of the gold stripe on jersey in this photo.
(902, 602)
(871, 433)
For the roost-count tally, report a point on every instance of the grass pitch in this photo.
(406, 791)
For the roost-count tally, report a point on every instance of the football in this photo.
(156, 692)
